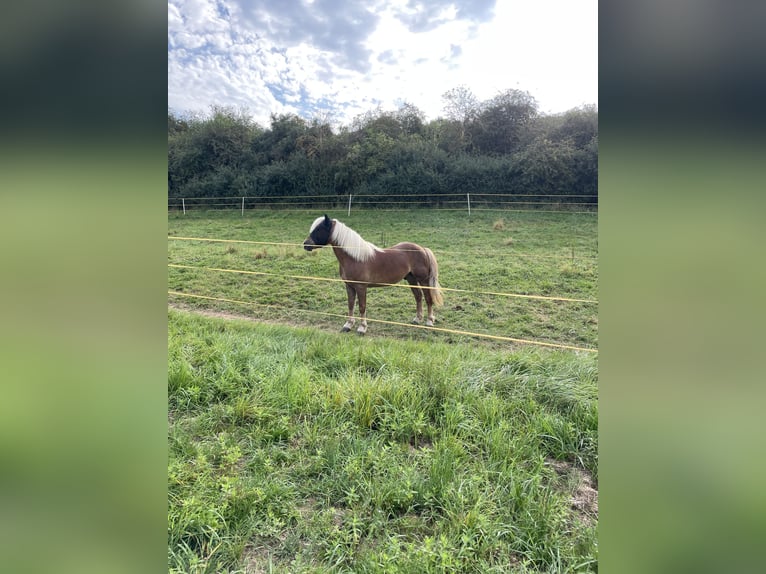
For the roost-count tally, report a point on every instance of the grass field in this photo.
(294, 448)
(532, 253)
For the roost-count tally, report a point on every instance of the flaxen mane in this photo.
(352, 243)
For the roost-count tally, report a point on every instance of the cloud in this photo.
(344, 57)
(426, 15)
(388, 57)
(338, 27)
(289, 55)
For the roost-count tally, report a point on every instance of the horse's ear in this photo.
(327, 220)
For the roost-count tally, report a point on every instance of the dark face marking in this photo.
(320, 235)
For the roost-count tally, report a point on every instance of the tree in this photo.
(411, 119)
(547, 168)
(281, 140)
(503, 125)
(498, 146)
(578, 125)
(176, 125)
(461, 106)
(226, 137)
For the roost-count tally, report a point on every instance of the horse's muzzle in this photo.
(308, 245)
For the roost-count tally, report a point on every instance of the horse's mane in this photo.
(352, 243)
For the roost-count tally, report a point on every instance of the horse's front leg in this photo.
(351, 292)
(362, 294)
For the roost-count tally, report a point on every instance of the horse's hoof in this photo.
(345, 329)
(429, 323)
(416, 321)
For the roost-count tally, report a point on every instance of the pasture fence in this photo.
(448, 201)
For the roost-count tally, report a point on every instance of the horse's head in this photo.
(319, 234)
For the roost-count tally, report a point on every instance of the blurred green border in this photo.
(84, 352)
(83, 188)
(681, 271)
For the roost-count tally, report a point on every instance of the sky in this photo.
(337, 59)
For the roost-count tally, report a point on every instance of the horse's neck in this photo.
(343, 257)
(351, 244)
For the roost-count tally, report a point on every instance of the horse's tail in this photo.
(433, 278)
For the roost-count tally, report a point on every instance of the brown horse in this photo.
(364, 265)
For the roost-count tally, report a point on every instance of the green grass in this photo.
(297, 450)
(535, 253)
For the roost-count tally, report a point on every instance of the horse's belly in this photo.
(390, 276)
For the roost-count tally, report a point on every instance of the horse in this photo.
(364, 265)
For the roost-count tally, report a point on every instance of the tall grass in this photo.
(295, 450)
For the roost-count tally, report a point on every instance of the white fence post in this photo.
(349, 205)
(243, 206)
(183, 202)
(468, 195)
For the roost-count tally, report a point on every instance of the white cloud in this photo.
(345, 56)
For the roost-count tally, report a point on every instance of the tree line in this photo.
(499, 146)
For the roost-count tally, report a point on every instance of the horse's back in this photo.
(407, 246)
(416, 256)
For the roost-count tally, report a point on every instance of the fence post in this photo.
(468, 195)
(243, 206)
(183, 202)
(349, 205)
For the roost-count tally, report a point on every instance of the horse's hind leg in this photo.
(430, 306)
(418, 293)
(351, 292)
(431, 317)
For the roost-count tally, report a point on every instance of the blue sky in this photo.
(336, 59)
